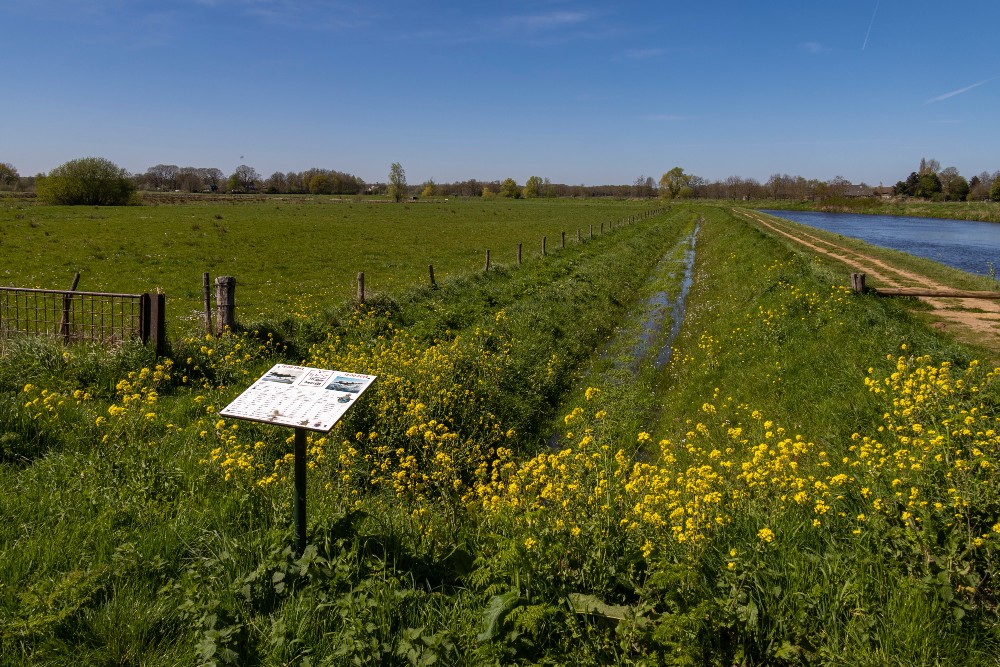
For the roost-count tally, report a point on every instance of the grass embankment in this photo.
(976, 211)
(808, 487)
(285, 252)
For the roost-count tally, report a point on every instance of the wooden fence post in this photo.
(544, 239)
(64, 324)
(858, 282)
(579, 235)
(225, 303)
(591, 231)
(486, 269)
(430, 270)
(206, 288)
(144, 317)
(158, 323)
(361, 287)
(564, 240)
(519, 254)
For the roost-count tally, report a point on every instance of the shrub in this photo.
(89, 181)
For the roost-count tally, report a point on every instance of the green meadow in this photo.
(280, 250)
(544, 473)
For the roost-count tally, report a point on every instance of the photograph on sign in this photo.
(347, 384)
(310, 398)
(282, 375)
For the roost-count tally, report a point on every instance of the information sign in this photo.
(308, 399)
(313, 399)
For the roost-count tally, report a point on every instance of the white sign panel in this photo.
(309, 398)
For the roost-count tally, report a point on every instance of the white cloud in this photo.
(954, 93)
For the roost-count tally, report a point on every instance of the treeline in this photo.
(932, 182)
(929, 181)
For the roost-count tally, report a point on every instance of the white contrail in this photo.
(958, 92)
(870, 24)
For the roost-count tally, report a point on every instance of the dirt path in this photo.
(974, 321)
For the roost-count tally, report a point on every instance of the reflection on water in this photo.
(970, 246)
(661, 310)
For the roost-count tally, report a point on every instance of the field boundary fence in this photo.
(72, 316)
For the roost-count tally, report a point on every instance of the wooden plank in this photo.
(943, 294)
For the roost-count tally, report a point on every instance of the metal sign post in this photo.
(307, 399)
(299, 502)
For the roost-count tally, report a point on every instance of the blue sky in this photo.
(575, 91)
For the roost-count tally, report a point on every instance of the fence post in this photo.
(144, 315)
(591, 231)
(564, 240)
(64, 324)
(206, 288)
(225, 303)
(579, 235)
(487, 267)
(858, 282)
(361, 287)
(602, 227)
(430, 270)
(544, 252)
(158, 324)
(519, 254)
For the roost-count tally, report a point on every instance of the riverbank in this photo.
(974, 211)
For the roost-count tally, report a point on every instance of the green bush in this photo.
(91, 181)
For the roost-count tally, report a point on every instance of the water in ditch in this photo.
(662, 315)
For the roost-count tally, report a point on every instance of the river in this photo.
(970, 246)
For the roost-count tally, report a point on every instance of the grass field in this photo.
(281, 250)
(810, 479)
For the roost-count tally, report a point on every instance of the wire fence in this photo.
(74, 316)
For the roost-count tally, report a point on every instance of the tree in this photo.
(162, 176)
(995, 190)
(953, 185)
(276, 183)
(319, 184)
(213, 176)
(190, 179)
(397, 182)
(533, 187)
(91, 181)
(644, 187)
(509, 188)
(430, 189)
(244, 179)
(910, 186)
(928, 185)
(8, 175)
(672, 182)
